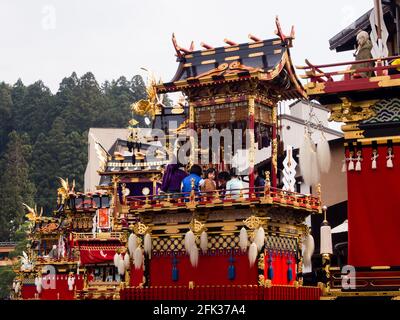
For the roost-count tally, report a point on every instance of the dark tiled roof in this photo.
(264, 55)
(267, 60)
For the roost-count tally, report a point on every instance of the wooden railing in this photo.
(217, 198)
(99, 236)
(316, 74)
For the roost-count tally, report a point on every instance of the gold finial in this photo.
(140, 229)
(325, 210)
(253, 223)
(197, 227)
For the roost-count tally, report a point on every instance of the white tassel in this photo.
(344, 168)
(147, 244)
(389, 158)
(138, 255)
(204, 242)
(309, 245)
(324, 155)
(374, 165)
(190, 240)
(358, 165)
(375, 156)
(132, 244)
(351, 164)
(259, 238)
(121, 267)
(194, 256)
(116, 259)
(253, 252)
(38, 284)
(243, 240)
(127, 261)
(71, 283)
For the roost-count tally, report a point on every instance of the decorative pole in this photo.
(252, 151)
(192, 127)
(326, 247)
(274, 159)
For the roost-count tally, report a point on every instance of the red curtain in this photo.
(136, 276)
(280, 267)
(373, 212)
(96, 256)
(221, 293)
(61, 291)
(212, 270)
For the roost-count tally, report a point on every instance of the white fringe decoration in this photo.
(324, 155)
(138, 258)
(253, 252)
(147, 244)
(204, 242)
(243, 240)
(127, 261)
(116, 259)
(121, 267)
(132, 244)
(305, 158)
(309, 245)
(315, 174)
(190, 240)
(259, 238)
(194, 256)
(308, 161)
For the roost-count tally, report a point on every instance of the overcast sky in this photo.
(48, 40)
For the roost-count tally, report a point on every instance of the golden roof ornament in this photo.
(140, 229)
(197, 227)
(253, 223)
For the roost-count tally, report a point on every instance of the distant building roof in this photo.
(345, 40)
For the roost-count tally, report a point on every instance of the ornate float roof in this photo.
(266, 60)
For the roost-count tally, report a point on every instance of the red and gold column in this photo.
(274, 153)
(192, 128)
(252, 150)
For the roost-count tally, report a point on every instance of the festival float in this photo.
(130, 241)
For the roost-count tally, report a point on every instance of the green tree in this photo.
(15, 185)
(6, 106)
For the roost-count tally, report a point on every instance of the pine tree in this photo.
(15, 185)
(6, 106)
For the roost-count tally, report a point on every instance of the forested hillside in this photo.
(44, 136)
